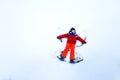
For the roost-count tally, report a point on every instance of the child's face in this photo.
(73, 31)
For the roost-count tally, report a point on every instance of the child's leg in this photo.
(72, 52)
(64, 53)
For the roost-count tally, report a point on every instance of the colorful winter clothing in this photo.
(70, 45)
(71, 38)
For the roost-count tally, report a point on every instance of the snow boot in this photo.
(72, 61)
(61, 58)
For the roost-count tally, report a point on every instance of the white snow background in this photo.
(28, 30)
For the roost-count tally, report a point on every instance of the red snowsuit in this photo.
(71, 41)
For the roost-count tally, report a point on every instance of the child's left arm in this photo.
(81, 40)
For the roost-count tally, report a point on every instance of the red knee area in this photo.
(72, 52)
(64, 53)
(68, 47)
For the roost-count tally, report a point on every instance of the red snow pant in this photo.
(68, 47)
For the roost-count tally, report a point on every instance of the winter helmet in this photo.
(72, 28)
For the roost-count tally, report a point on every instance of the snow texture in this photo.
(28, 44)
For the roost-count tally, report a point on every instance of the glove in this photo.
(80, 45)
(60, 40)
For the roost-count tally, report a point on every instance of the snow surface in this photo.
(28, 44)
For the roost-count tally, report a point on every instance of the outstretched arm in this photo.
(62, 36)
(81, 40)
